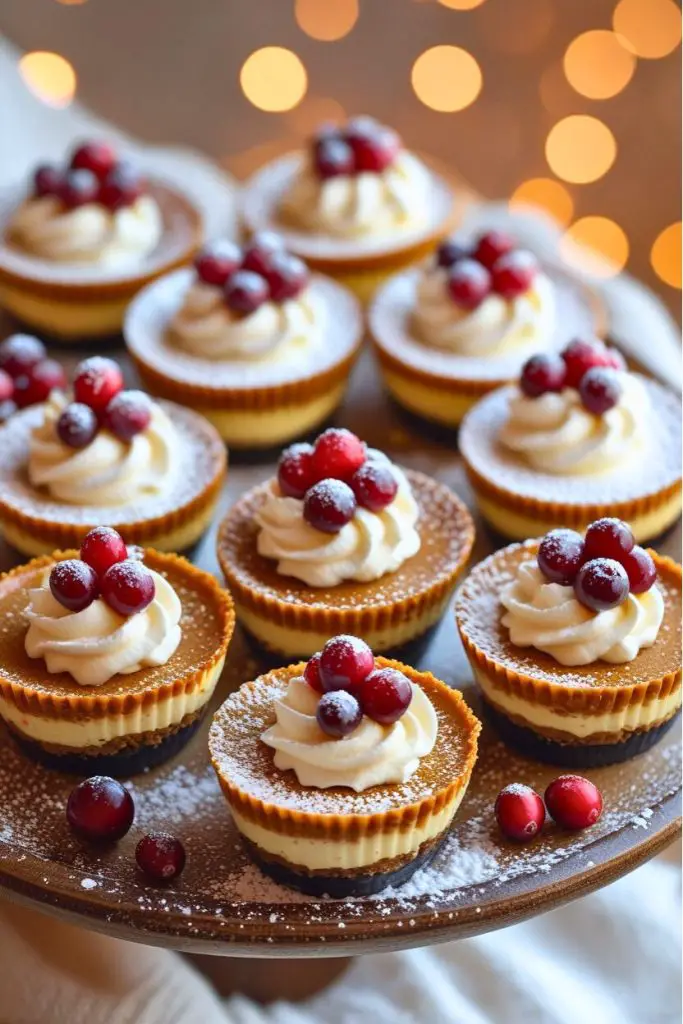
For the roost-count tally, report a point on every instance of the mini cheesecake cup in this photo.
(290, 618)
(581, 716)
(132, 722)
(336, 841)
(80, 302)
(251, 403)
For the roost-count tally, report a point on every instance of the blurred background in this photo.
(570, 104)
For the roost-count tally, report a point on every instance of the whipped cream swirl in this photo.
(554, 433)
(108, 471)
(372, 755)
(548, 616)
(205, 327)
(365, 204)
(97, 643)
(370, 545)
(88, 234)
(495, 326)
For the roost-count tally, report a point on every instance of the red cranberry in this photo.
(468, 283)
(542, 373)
(609, 538)
(123, 186)
(217, 261)
(561, 555)
(20, 353)
(450, 252)
(520, 812)
(337, 453)
(374, 485)
(491, 247)
(96, 157)
(97, 380)
(580, 356)
(386, 695)
(100, 809)
(374, 146)
(245, 292)
(47, 180)
(160, 856)
(614, 359)
(312, 673)
(128, 414)
(77, 425)
(514, 273)
(333, 157)
(6, 386)
(103, 547)
(295, 470)
(7, 408)
(600, 390)
(640, 569)
(345, 663)
(287, 276)
(327, 130)
(329, 505)
(79, 188)
(601, 584)
(573, 802)
(261, 250)
(127, 587)
(338, 714)
(36, 385)
(74, 584)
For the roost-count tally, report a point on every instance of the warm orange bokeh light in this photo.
(446, 78)
(665, 255)
(516, 26)
(314, 111)
(651, 28)
(326, 21)
(273, 79)
(601, 237)
(49, 76)
(461, 5)
(71, 3)
(598, 65)
(547, 194)
(580, 149)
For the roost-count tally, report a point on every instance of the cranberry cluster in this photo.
(602, 567)
(492, 264)
(572, 801)
(100, 809)
(588, 366)
(105, 569)
(100, 401)
(27, 376)
(333, 477)
(263, 271)
(362, 145)
(344, 673)
(94, 174)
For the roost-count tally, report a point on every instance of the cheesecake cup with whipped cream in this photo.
(250, 339)
(578, 438)
(355, 203)
(575, 643)
(83, 238)
(464, 323)
(342, 539)
(103, 456)
(109, 656)
(344, 791)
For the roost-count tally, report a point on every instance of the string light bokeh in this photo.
(49, 76)
(446, 78)
(273, 78)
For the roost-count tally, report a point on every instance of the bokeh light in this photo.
(665, 255)
(314, 111)
(273, 79)
(597, 245)
(326, 21)
(651, 28)
(461, 5)
(71, 3)
(446, 78)
(598, 65)
(580, 149)
(49, 76)
(547, 194)
(517, 26)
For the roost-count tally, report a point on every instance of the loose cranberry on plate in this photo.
(541, 374)
(600, 390)
(123, 186)
(20, 353)
(103, 547)
(128, 414)
(261, 250)
(580, 356)
(468, 283)
(6, 386)
(333, 157)
(47, 180)
(337, 453)
(640, 569)
(97, 157)
(573, 802)
(601, 584)
(246, 291)
(97, 380)
(338, 713)
(100, 809)
(491, 246)
(560, 555)
(160, 856)
(329, 505)
(345, 663)
(127, 587)
(35, 385)
(520, 812)
(312, 673)
(514, 273)
(77, 425)
(79, 188)
(74, 584)
(217, 261)
(287, 276)
(374, 485)
(386, 695)
(608, 538)
(295, 470)
(449, 252)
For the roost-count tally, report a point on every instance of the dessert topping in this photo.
(26, 374)
(491, 264)
(573, 801)
(589, 367)
(264, 271)
(364, 145)
(94, 175)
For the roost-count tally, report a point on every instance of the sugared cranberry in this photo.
(312, 673)
(333, 157)
(601, 584)
(36, 385)
(345, 663)
(580, 356)
(608, 538)
(573, 802)
(77, 425)
(514, 273)
(337, 453)
(449, 252)
(468, 283)
(97, 380)
(287, 276)
(127, 587)
(520, 812)
(8, 407)
(128, 414)
(47, 180)
(74, 584)
(329, 505)
(100, 809)
(374, 485)
(295, 470)
(245, 292)
(217, 261)
(614, 359)
(261, 250)
(6, 386)
(386, 695)
(338, 714)
(561, 555)
(640, 569)
(375, 147)
(20, 353)
(97, 157)
(79, 188)
(492, 246)
(542, 373)
(123, 186)
(160, 856)
(600, 390)
(103, 547)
